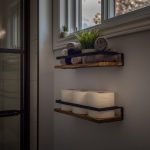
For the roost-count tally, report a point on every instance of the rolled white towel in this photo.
(101, 100)
(64, 52)
(101, 44)
(79, 97)
(74, 45)
(76, 60)
(66, 96)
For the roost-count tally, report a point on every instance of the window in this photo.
(125, 6)
(79, 14)
(115, 17)
(91, 13)
(82, 14)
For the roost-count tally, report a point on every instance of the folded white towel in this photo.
(88, 59)
(76, 60)
(64, 52)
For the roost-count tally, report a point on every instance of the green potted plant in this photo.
(88, 38)
(65, 32)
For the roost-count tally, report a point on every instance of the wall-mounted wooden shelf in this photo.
(117, 63)
(108, 53)
(117, 117)
(99, 64)
(86, 117)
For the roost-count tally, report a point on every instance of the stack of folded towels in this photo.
(73, 48)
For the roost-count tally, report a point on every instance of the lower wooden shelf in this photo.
(86, 117)
(98, 64)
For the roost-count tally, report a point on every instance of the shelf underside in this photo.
(98, 64)
(85, 117)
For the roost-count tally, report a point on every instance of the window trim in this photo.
(135, 21)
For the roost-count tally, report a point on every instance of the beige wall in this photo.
(131, 83)
(45, 76)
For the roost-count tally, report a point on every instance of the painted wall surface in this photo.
(45, 76)
(132, 85)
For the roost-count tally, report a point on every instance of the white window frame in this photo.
(135, 21)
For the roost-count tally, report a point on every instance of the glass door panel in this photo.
(9, 81)
(10, 24)
(14, 114)
(10, 133)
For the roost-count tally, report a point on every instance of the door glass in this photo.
(10, 133)
(9, 81)
(11, 76)
(10, 24)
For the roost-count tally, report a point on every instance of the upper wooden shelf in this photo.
(99, 64)
(109, 53)
(116, 63)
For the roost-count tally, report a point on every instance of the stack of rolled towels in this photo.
(73, 48)
(97, 99)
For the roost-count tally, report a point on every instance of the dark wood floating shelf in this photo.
(98, 64)
(108, 53)
(117, 63)
(118, 116)
(86, 117)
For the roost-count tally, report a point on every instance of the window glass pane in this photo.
(125, 6)
(10, 133)
(9, 81)
(10, 24)
(63, 13)
(91, 13)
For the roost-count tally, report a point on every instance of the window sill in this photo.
(129, 23)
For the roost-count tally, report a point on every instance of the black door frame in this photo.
(25, 121)
(24, 52)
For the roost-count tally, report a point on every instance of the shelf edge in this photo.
(85, 117)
